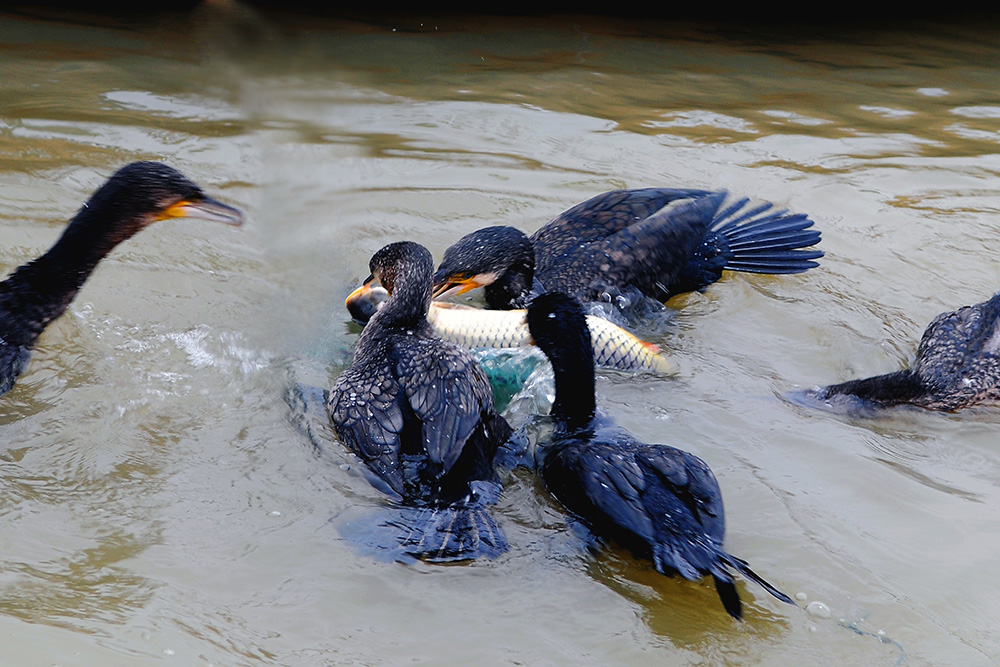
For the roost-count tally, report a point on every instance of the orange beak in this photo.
(454, 286)
(204, 208)
(365, 301)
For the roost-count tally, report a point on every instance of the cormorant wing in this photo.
(690, 480)
(649, 253)
(607, 477)
(666, 497)
(368, 411)
(955, 342)
(447, 391)
(597, 218)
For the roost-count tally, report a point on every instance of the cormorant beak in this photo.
(365, 301)
(204, 208)
(455, 285)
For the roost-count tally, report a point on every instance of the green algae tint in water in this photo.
(161, 503)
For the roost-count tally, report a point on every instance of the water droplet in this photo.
(818, 609)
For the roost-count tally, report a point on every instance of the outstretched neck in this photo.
(889, 389)
(42, 289)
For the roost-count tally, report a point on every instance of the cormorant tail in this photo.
(463, 530)
(759, 240)
(692, 559)
(755, 240)
(447, 534)
(730, 598)
(743, 568)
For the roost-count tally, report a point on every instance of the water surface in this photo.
(159, 502)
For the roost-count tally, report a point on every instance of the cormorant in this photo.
(658, 501)
(38, 292)
(419, 412)
(957, 365)
(628, 239)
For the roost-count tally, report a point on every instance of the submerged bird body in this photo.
(659, 501)
(40, 291)
(418, 411)
(957, 365)
(660, 241)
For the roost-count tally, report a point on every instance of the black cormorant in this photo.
(658, 501)
(957, 365)
(38, 292)
(419, 412)
(628, 239)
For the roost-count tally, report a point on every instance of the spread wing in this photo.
(649, 253)
(597, 218)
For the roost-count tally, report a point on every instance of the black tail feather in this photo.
(694, 559)
(790, 240)
(778, 268)
(728, 222)
(764, 226)
(743, 568)
(457, 532)
(730, 598)
(771, 243)
(453, 533)
(759, 239)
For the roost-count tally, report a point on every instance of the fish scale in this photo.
(614, 347)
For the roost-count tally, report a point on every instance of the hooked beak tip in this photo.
(205, 209)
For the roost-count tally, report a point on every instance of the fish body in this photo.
(614, 347)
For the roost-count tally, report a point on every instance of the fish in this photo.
(614, 347)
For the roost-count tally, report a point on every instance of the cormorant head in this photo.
(141, 193)
(480, 258)
(398, 261)
(396, 266)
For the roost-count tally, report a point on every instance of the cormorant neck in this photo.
(512, 289)
(889, 389)
(42, 289)
(573, 366)
(407, 305)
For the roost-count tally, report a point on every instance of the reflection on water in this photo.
(161, 500)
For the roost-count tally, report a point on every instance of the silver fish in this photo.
(614, 347)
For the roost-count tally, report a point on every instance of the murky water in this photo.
(158, 502)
